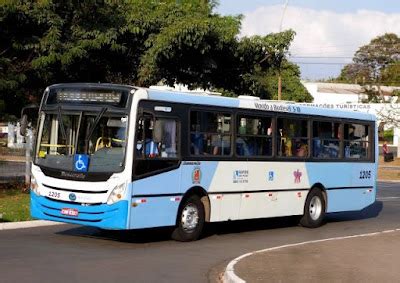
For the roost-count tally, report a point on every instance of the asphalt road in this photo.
(68, 253)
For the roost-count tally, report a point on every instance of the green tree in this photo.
(260, 61)
(136, 42)
(265, 84)
(378, 55)
(375, 64)
(193, 47)
(391, 74)
(44, 42)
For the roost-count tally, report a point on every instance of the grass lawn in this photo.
(395, 162)
(14, 204)
(389, 174)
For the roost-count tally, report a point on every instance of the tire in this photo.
(190, 220)
(314, 210)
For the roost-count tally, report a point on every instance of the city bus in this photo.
(122, 157)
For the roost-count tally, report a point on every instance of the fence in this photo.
(15, 161)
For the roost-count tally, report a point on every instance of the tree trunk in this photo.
(279, 87)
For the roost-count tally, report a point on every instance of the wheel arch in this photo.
(202, 194)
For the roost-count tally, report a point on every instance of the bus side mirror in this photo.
(29, 112)
(24, 125)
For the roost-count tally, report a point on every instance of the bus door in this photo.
(156, 171)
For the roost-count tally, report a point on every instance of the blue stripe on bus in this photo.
(161, 210)
(154, 212)
(104, 216)
(193, 98)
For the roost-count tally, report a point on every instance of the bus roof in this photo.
(92, 85)
(257, 104)
(244, 102)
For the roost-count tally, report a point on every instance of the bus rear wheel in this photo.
(314, 210)
(190, 221)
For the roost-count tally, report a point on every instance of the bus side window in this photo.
(210, 133)
(254, 136)
(326, 140)
(292, 137)
(356, 141)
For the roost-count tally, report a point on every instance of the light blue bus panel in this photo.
(155, 200)
(349, 199)
(103, 215)
(149, 212)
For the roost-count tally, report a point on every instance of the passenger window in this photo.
(292, 137)
(210, 133)
(326, 139)
(254, 136)
(356, 142)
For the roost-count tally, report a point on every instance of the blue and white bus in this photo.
(121, 157)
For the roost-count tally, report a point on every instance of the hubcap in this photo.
(315, 208)
(190, 217)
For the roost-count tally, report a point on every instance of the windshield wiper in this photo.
(96, 121)
(59, 116)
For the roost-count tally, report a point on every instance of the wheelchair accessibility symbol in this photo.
(81, 162)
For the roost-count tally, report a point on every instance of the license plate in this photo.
(69, 211)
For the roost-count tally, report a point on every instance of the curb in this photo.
(27, 224)
(389, 181)
(231, 277)
(13, 160)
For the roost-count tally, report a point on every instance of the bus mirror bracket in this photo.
(29, 112)
(24, 125)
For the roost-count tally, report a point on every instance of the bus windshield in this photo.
(100, 136)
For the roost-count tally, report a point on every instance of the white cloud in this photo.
(322, 33)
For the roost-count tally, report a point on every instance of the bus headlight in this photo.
(117, 194)
(34, 185)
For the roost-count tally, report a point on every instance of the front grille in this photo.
(75, 191)
(74, 202)
(85, 212)
(70, 218)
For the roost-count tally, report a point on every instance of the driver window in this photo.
(156, 138)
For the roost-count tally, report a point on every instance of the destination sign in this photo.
(113, 97)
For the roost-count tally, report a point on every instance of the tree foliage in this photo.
(136, 42)
(375, 63)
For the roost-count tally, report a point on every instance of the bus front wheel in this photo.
(190, 221)
(314, 210)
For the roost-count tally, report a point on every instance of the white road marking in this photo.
(27, 224)
(231, 277)
(388, 198)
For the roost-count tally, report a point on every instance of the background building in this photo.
(351, 96)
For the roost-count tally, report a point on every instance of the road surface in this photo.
(68, 253)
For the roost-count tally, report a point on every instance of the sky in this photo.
(328, 32)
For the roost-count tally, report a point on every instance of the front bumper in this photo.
(102, 215)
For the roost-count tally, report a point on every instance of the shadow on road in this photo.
(127, 236)
(229, 227)
(241, 226)
(371, 211)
